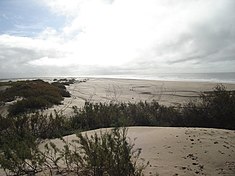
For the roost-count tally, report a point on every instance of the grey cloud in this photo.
(14, 62)
(212, 49)
(213, 39)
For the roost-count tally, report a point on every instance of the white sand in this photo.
(130, 90)
(182, 151)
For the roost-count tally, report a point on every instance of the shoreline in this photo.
(217, 77)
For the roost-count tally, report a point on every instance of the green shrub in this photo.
(35, 94)
(19, 155)
(216, 109)
(102, 115)
(108, 153)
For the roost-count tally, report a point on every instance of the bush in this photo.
(101, 115)
(102, 154)
(110, 154)
(216, 109)
(19, 153)
(35, 94)
(38, 125)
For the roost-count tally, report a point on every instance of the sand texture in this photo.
(182, 151)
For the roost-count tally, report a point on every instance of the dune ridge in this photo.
(181, 151)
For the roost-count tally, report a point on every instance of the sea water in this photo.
(223, 77)
(218, 77)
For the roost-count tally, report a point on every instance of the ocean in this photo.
(218, 77)
(224, 77)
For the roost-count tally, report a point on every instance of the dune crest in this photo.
(181, 151)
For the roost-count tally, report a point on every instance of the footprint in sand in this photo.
(200, 167)
(221, 152)
(230, 165)
(166, 147)
(192, 156)
(220, 171)
(181, 167)
(226, 146)
(223, 137)
(226, 142)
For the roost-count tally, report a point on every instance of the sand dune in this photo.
(182, 151)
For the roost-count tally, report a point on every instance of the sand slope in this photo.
(183, 151)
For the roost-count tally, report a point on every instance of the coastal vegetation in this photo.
(107, 153)
(214, 109)
(32, 95)
(21, 133)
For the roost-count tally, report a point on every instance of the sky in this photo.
(115, 37)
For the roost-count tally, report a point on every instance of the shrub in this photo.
(19, 155)
(219, 107)
(110, 154)
(101, 154)
(215, 109)
(102, 115)
(35, 94)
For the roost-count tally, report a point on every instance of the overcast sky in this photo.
(115, 37)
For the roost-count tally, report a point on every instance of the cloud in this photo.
(128, 37)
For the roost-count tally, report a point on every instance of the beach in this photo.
(170, 151)
(106, 90)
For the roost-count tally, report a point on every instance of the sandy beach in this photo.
(133, 90)
(106, 90)
(170, 151)
(181, 151)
